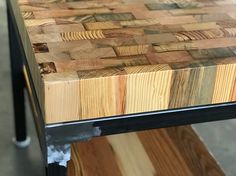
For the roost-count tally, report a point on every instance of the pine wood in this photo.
(99, 58)
(174, 151)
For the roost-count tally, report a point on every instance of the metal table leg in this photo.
(21, 140)
(56, 170)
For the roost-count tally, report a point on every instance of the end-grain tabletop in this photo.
(123, 59)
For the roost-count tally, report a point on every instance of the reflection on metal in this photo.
(60, 154)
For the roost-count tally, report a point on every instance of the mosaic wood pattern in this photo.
(165, 152)
(99, 58)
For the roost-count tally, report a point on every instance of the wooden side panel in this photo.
(62, 96)
(224, 84)
(101, 97)
(193, 86)
(148, 90)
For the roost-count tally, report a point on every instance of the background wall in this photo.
(220, 137)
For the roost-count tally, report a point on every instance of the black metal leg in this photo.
(56, 170)
(18, 84)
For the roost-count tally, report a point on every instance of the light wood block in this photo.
(99, 58)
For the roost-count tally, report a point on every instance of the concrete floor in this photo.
(13, 162)
(219, 136)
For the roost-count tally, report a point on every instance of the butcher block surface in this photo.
(174, 151)
(99, 58)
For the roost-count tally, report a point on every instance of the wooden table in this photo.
(100, 67)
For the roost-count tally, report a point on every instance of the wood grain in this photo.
(97, 58)
(174, 151)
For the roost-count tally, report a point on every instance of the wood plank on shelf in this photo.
(176, 151)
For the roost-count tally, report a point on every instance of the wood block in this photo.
(147, 77)
(114, 17)
(224, 78)
(39, 22)
(197, 90)
(103, 25)
(28, 15)
(132, 50)
(173, 152)
(162, 6)
(69, 12)
(169, 57)
(97, 53)
(180, 46)
(83, 35)
(155, 38)
(62, 28)
(212, 53)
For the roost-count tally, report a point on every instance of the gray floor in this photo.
(220, 137)
(13, 162)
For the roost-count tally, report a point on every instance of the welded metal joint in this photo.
(58, 134)
(60, 154)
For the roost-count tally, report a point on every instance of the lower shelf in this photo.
(176, 151)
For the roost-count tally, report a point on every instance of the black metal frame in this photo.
(64, 133)
(56, 170)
